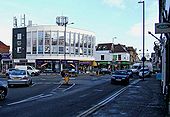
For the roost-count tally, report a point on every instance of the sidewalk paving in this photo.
(143, 99)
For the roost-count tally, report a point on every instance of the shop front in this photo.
(47, 65)
(119, 65)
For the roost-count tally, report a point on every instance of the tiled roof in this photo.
(118, 48)
(4, 48)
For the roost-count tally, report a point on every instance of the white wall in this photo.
(109, 56)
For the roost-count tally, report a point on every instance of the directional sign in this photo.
(162, 28)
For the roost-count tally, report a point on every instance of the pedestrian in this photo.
(63, 73)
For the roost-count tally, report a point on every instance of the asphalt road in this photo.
(48, 98)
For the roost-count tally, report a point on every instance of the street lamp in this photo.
(154, 36)
(63, 21)
(143, 58)
(113, 39)
(65, 25)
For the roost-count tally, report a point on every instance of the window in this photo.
(19, 36)
(102, 57)
(28, 42)
(18, 49)
(61, 50)
(18, 43)
(119, 57)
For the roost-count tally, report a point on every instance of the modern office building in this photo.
(45, 46)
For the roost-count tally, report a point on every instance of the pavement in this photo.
(143, 99)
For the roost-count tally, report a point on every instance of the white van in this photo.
(136, 67)
(31, 70)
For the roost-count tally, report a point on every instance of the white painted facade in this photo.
(109, 56)
(47, 42)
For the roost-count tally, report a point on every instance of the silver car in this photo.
(146, 71)
(19, 77)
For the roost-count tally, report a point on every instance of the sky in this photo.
(107, 18)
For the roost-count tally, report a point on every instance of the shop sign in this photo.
(6, 56)
(162, 28)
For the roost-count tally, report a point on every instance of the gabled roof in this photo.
(118, 48)
(104, 46)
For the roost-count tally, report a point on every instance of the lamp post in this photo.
(63, 21)
(143, 58)
(113, 39)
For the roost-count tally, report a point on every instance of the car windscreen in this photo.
(134, 67)
(144, 70)
(18, 72)
(120, 73)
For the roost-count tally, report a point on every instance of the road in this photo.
(48, 98)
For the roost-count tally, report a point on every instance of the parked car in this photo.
(120, 76)
(70, 73)
(9, 71)
(19, 77)
(147, 72)
(104, 71)
(3, 90)
(130, 72)
(32, 71)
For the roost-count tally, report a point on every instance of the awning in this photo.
(94, 63)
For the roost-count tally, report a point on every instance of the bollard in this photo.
(66, 79)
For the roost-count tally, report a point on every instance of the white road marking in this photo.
(69, 87)
(30, 99)
(83, 95)
(102, 103)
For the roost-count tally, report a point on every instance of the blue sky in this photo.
(107, 18)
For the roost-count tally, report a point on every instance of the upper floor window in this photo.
(102, 57)
(19, 36)
(119, 57)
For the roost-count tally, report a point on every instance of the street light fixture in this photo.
(154, 36)
(143, 58)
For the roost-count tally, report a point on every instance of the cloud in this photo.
(115, 3)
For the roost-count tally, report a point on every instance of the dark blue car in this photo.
(120, 76)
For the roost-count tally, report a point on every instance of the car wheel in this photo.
(3, 93)
(30, 82)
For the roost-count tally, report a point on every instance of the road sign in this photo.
(162, 28)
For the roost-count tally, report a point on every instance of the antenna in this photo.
(23, 20)
(15, 22)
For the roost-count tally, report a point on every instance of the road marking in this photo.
(83, 95)
(46, 83)
(69, 87)
(30, 99)
(98, 90)
(104, 102)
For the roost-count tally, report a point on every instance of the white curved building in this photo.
(45, 45)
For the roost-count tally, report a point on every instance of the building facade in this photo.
(44, 46)
(6, 60)
(112, 56)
